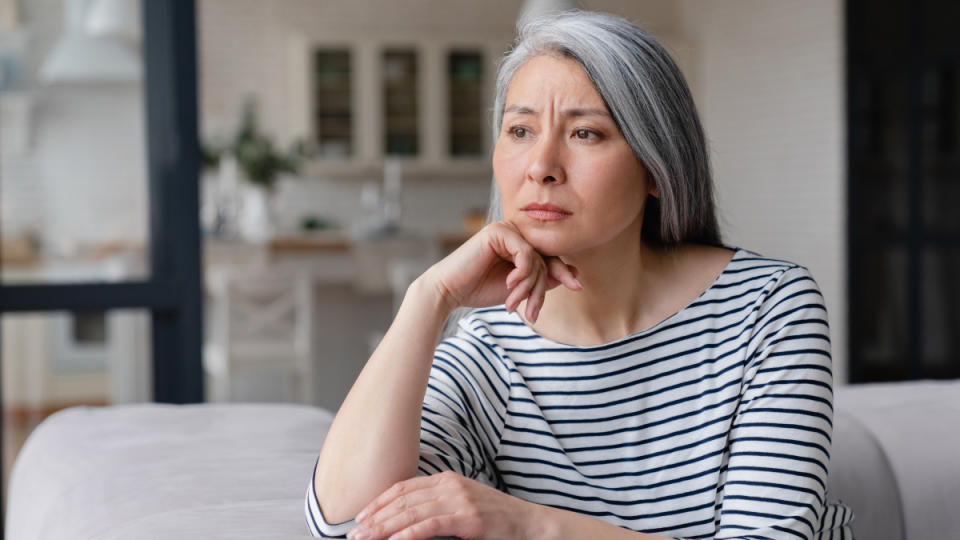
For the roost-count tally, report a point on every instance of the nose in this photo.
(545, 165)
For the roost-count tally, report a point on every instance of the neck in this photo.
(620, 294)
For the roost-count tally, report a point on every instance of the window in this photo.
(904, 159)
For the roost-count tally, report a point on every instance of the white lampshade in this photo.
(119, 19)
(533, 9)
(80, 57)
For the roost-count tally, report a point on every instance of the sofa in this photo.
(241, 470)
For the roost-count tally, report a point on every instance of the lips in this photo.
(545, 212)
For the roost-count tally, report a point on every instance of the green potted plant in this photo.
(257, 160)
(256, 156)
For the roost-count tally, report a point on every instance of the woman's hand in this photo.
(445, 504)
(498, 265)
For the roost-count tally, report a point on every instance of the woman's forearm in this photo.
(375, 438)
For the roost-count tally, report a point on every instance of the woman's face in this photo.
(567, 177)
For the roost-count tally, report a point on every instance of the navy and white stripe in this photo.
(714, 423)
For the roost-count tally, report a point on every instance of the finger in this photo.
(521, 291)
(524, 264)
(523, 261)
(532, 261)
(525, 283)
(535, 300)
(436, 526)
(551, 282)
(399, 506)
(509, 244)
(512, 278)
(396, 490)
(563, 273)
(403, 518)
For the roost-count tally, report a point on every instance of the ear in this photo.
(654, 192)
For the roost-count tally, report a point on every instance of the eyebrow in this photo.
(576, 111)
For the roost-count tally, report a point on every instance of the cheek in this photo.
(617, 194)
(507, 172)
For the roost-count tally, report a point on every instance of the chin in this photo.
(550, 243)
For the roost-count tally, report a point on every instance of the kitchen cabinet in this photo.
(362, 99)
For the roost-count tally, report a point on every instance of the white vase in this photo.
(255, 223)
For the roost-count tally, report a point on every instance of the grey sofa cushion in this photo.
(861, 477)
(895, 459)
(167, 471)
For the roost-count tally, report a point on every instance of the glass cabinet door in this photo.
(400, 102)
(333, 125)
(465, 73)
(425, 101)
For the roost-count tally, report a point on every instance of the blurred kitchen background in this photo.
(345, 147)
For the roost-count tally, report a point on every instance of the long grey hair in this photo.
(651, 104)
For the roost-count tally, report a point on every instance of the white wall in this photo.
(770, 89)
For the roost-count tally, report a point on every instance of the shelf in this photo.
(16, 129)
(414, 169)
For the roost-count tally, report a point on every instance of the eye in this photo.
(518, 132)
(584, 134)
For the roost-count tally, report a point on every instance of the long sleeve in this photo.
(775, 479)
(316, 522)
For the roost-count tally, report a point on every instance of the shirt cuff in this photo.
(316, 522)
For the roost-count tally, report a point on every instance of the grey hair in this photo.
(651, 104)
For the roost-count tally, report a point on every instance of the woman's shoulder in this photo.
(492, 331)
(746, 261)
(762, 278)
(476, 345)
(776, 281)
(485, 323)
(699, 261)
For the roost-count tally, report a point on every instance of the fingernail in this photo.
(362, 515)
(578, 283)
(358, 533)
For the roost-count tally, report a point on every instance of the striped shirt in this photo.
(714, 423)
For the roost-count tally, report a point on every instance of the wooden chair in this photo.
(260, 322)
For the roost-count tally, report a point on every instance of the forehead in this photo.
(548, 77)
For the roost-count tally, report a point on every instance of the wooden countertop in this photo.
(338, 242)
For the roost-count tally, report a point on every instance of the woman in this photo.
(626, 375)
